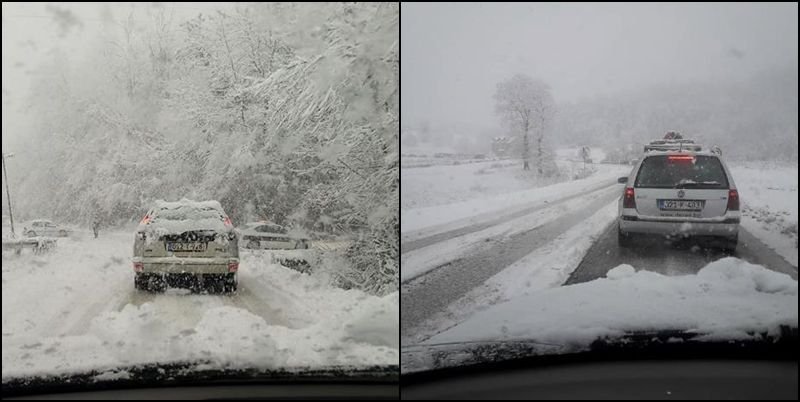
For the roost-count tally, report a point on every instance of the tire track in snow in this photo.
(79, 321)
(681, 258)
(247, 299)
(432, 292)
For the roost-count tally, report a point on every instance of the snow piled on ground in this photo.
(475, 207)
(727, 299)
(75, 309)
(768, 193)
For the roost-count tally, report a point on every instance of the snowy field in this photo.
(769, 204)
(76, 309)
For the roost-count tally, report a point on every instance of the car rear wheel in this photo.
(623, 239)
(220, 283)
(150, 282)
(729, 245)
(229, 283)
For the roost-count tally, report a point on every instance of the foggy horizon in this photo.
(583, 52)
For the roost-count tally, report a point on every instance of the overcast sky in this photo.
(453, 55)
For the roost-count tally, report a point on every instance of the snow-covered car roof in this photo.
(185, 215)
(184, 202)
(294, 233)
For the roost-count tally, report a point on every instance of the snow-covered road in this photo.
(457, 265)
(76, 309)
(433, 292)
(680, 258)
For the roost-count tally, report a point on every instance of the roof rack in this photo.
(673, 141)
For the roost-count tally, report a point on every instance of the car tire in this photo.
(623, 239)
(140, 281)
(30, 233)
(150, 282)
(254, 244)
(229, 283)
(729, 245)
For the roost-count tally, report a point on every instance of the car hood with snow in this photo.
(728, 300)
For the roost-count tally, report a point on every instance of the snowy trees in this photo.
(287, 112)
(526, 107)
(727, 114)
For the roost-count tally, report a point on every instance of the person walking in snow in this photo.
(95, 225)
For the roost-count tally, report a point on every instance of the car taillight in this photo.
(628, 200)
(228, 221)
(138, 267)
(145, 220)
(233, 266)
(733, 200)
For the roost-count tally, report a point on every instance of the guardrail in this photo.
(39, 245)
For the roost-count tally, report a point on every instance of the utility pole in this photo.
(8, 194)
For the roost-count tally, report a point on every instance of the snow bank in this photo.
(729, 298)
(474, 210)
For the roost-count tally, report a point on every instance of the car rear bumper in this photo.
(667, 228)
(172, 265)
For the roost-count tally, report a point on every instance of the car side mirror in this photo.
(623, 179)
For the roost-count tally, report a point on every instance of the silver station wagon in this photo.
(680, 189)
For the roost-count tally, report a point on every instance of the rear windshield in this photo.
(668, 171)
(274, 229)
(270, 229)
(186, 212)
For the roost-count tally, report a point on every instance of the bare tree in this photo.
(526, 106)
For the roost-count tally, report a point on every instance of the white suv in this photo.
(679, 189)
(186, 243)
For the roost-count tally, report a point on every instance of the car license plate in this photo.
(186, 246)
(680, 205)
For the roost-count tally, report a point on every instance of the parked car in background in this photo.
(188, 244)
(679, 189)
(267, 235)
(44, 227)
